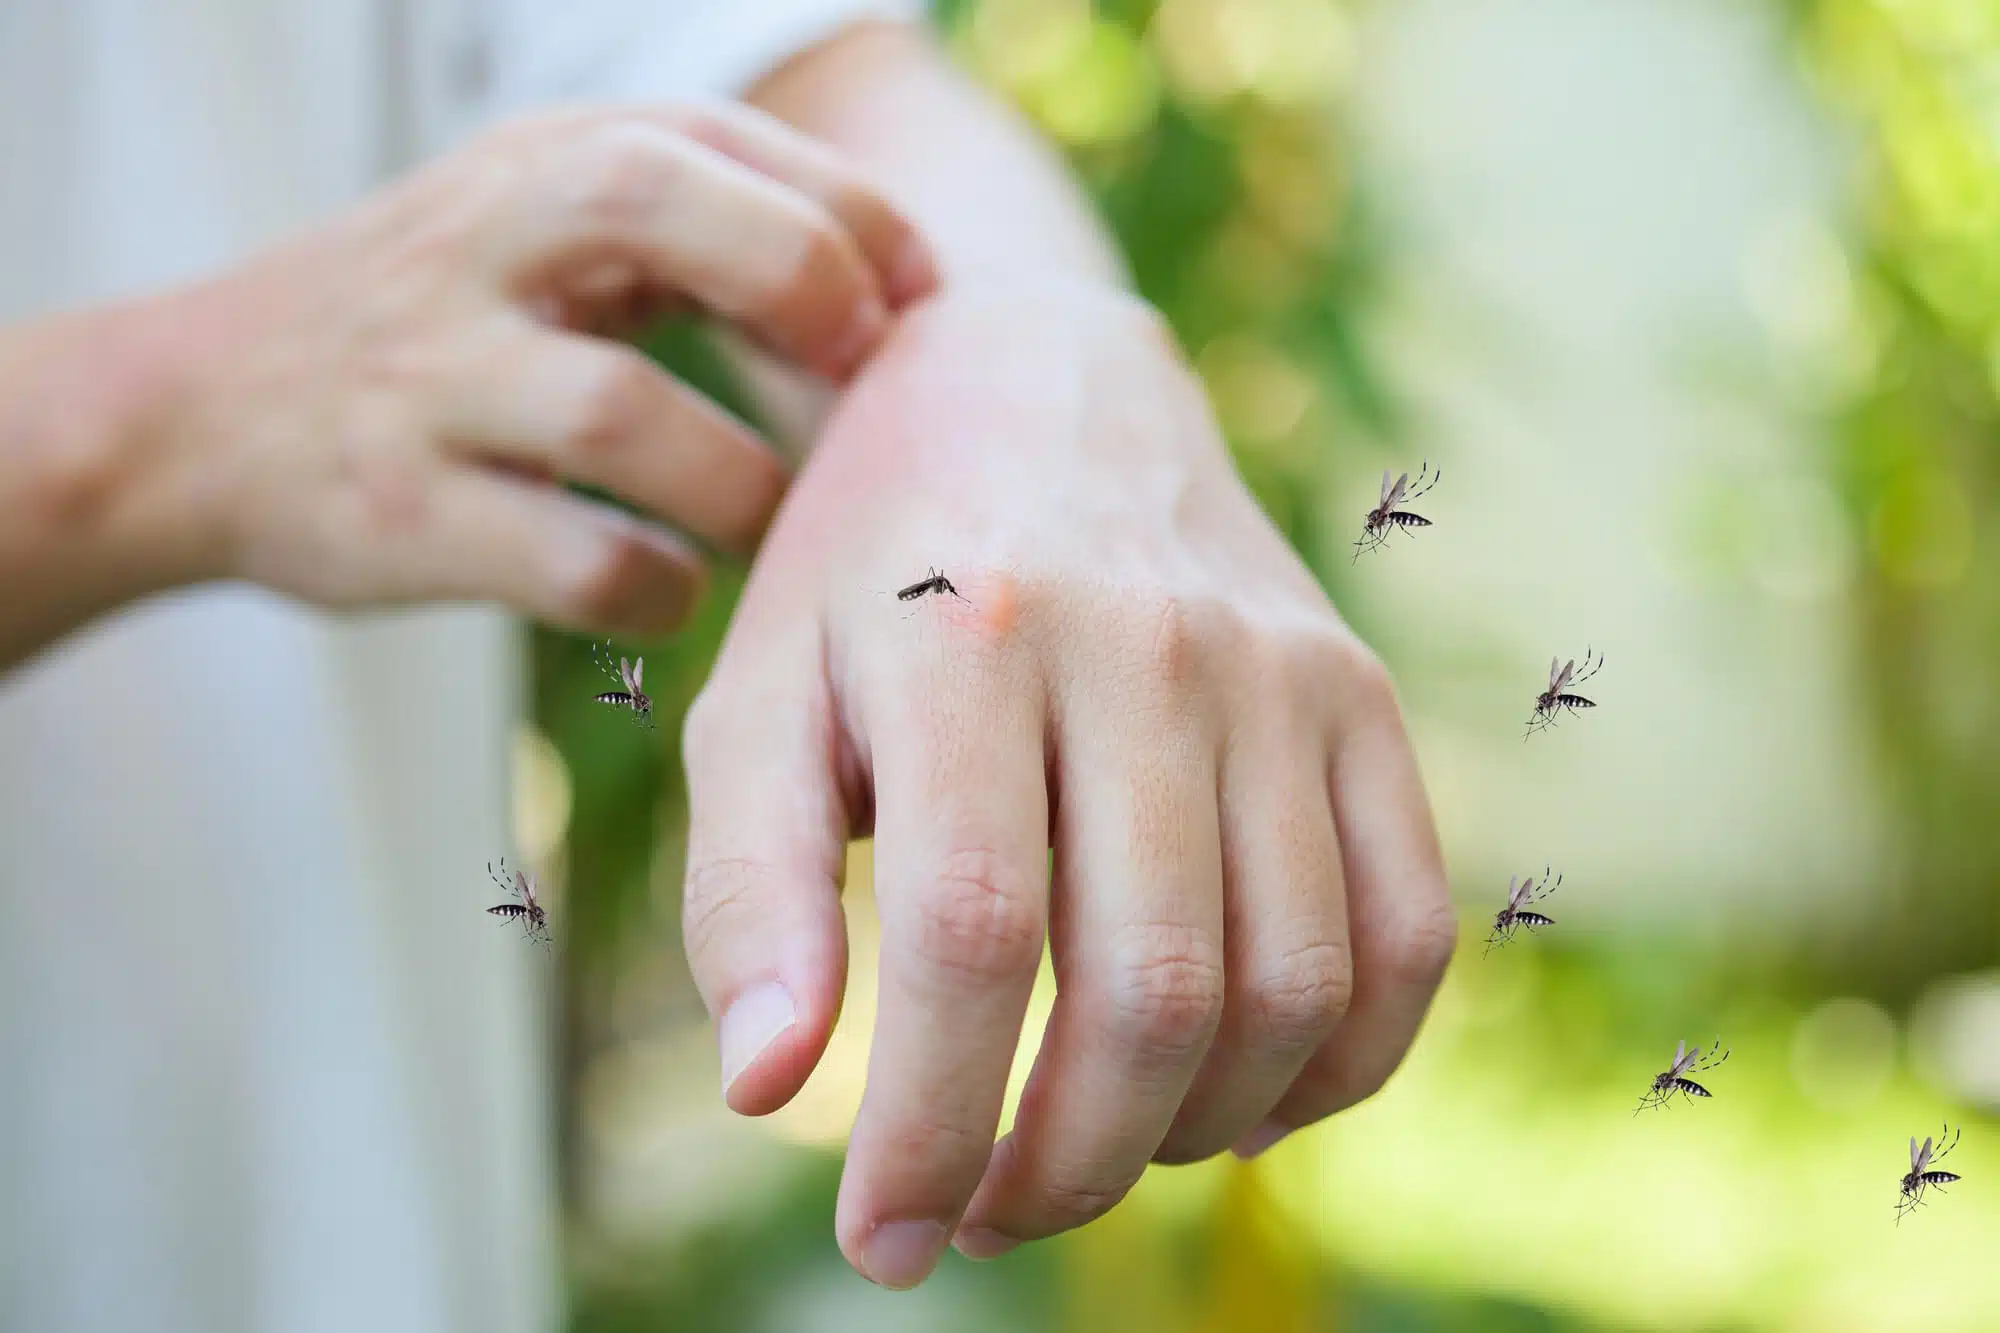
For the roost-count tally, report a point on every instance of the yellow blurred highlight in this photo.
(1017, 42)
(1260, 394)
(1085, 81)
(541, 795)
(1293, 179)
(1285, 52)
(1921, 529)
(1263, 1271)
(823, 1112)
(1122, 1272)
(1108, 91)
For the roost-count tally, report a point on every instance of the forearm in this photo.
(93, 510)
(992, 197)
(995, 202)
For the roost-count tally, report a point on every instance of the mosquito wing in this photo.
(1682, 1058)
(1396, 491)
(1384, 500)
(526, 887)
(638, 673)
(1558, 679)
(1920, 1157)
(1517, 894)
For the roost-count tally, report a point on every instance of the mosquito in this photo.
(1557, 699)
(1921, 1179)
(1516, 914)
(1388, 514)
(528, 911)
(932, 582)
(1676, 1080)
(628, 675)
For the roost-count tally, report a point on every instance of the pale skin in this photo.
(375, 412)
(1248, 915)
(1249, 912)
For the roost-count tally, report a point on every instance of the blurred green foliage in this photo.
(1914, 83)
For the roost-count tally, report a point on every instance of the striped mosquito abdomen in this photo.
(1388, 516)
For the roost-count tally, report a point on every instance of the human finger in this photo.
(681, 216)
(602, 413)
(1287, 969)
(767, 843)
(961, 838)
(1138, 949)
(547, 553)
(1400, 915)
(898, 252)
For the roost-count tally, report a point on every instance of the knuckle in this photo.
(1167, 993)
(1300, 1001)
(1367, 679)
(711, 122)
(978, 918)
(825, 262)
(389, 489)
(937, 1144)
(1419, 950)
(706, 729)
(626, 173)
(631, 580)
(719, 896)
(1171, 646)
(617, 406)
(1068, 1203)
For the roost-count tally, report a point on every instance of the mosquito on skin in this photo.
(1676, 1080)
(1921, 1179)
(1556, 699)
(1516, 914)
(1388, 515)
(528, 910)
(629, 675)
(934, 583)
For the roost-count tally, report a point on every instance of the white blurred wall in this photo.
(1616, 286)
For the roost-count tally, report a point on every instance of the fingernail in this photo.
(913, 273)
(862, 331)
(1260, 1138)
(982, 1243)
(750, 1024)
(901, 1254)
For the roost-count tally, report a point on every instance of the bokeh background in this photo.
(1697, 305)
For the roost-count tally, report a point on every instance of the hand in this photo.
(1248, 912)
(374, 412)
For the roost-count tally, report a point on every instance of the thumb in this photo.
(767, 844)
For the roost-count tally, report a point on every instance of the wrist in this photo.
(1058, 305)
(111, 492)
